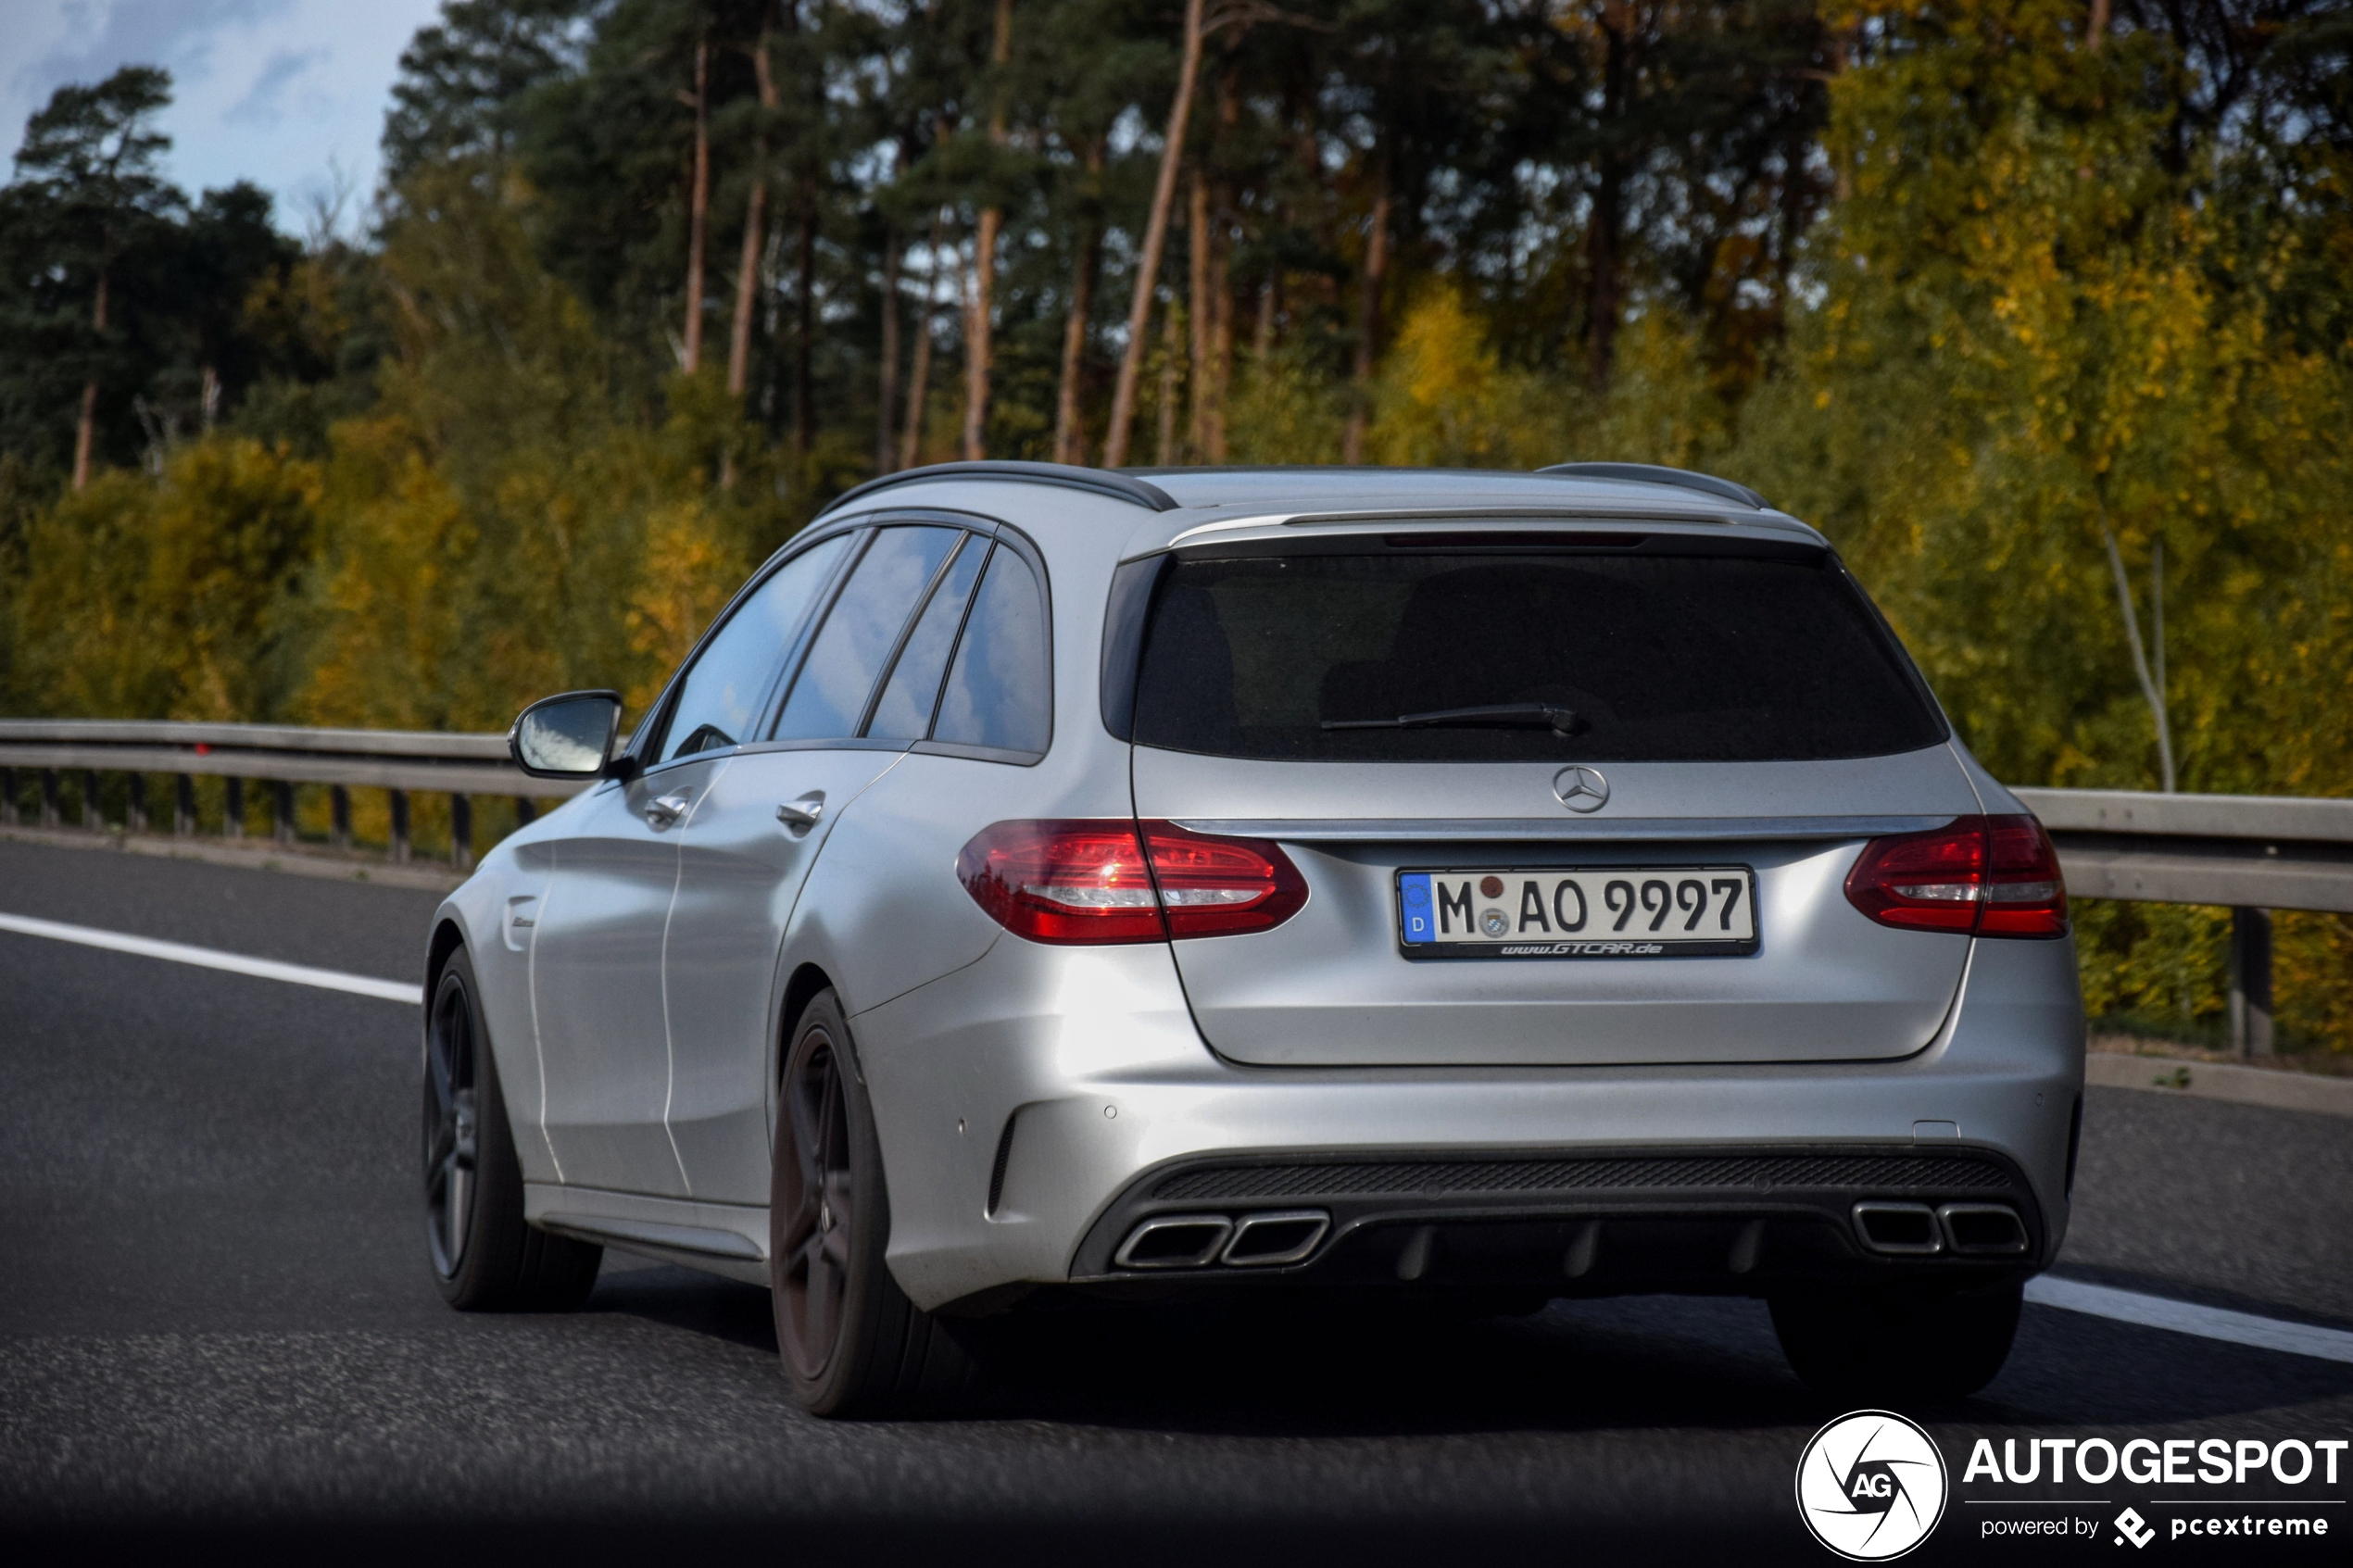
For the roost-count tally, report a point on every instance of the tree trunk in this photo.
(697, 208)
(1609, 180)
(1140, 307)
(2152, 686)
(1222, 206)
(755, 216)
(919, 373)
(1070, 426)
(1368, 294)
(976, 340)
(1172, 344)
(1197, 313)
(1221, 350)
(978, 344)
(804, 394)
(2097, 28)
(85, 432)
(887, 394)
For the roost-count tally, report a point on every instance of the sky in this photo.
(288, 93)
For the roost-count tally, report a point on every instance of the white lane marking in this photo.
(2183, 1317)
(210, 957)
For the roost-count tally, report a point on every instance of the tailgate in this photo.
(1337, 985)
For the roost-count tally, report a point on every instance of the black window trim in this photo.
(993, 531)
(907, 633)
(1027, 549)
(655, 726)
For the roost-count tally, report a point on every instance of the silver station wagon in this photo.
(1045, 885)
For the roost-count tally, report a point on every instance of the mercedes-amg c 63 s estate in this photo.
(1044, 884)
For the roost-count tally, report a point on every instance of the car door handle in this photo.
(801, 815)
(664, 810)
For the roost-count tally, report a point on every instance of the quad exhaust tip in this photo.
(1968, 1230)
(1195, 1241)
(1261, 1240)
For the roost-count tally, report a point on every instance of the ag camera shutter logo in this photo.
(1871, 1486)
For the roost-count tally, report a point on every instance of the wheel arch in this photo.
(447, 937)
(809, 981)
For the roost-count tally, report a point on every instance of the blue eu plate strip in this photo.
(1414, 907)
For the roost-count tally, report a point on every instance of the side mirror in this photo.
(566, 737)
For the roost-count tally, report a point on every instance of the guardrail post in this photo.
(339, 817)
(92, 816)
(135, 815)
(2251, 983)
(399, 825)
(184, 805)
(50, 814)
(281, 823)
(461, 831)
(7, 797)
(234, 819)
(525, 812)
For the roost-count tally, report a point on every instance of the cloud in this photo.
(288, 93)
(261, 105)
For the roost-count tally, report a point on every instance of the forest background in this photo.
(2041, 309)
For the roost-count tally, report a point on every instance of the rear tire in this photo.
(1895, 1343)
(850, 1341)
(485, 1259)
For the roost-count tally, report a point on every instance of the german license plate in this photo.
(1578, 912)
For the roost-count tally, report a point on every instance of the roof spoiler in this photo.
(1653, 473)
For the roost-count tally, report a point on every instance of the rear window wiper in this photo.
(1506, 715)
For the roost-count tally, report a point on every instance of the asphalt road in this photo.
(218, 1332)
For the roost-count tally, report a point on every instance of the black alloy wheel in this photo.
(851, 1342)
(450, 1123)
(486, 1256)
(817, 1213)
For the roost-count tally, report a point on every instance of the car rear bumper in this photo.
(1038, 1106)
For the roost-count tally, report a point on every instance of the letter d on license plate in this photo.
(1578, 912)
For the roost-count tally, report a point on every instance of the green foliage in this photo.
(176, 597)
(2036, 334)
(1978, 295)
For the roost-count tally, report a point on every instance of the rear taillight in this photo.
(1984, 876)
(1113, 881)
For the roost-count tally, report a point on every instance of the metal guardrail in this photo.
(2249, 853)
(278, 756)
(2260, 851)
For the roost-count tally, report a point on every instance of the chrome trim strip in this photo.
(1566, 830)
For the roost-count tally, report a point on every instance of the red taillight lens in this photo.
(1063, 882)
(2025, 896)
(1215, 887)
(1987, 876)
(1090, 881)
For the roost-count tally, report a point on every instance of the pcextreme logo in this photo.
(1870, 1485)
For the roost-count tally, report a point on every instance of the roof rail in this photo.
(1653, 473)
(1101, 481)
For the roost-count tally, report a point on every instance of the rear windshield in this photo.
(1594, 658)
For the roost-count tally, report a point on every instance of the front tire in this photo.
(1893, 1343)
(485, 1259)
(850, 1341)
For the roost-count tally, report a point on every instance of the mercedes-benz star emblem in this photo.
(1580, 788)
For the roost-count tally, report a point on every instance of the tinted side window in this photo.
(909, 696)
(720, 700)
(1001, 691)
(829, 695)
(1413, 656)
